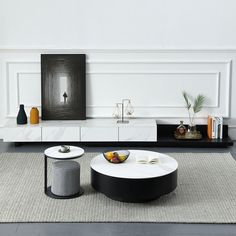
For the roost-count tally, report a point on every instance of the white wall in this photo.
(193, 27)
(118, 23)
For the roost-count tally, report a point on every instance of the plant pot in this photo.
(192, 129)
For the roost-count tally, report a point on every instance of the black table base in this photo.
(133, 190)
(52, 195)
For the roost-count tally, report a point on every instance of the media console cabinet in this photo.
(90, 130)
(138, 132)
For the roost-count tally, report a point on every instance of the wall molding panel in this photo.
(157, 62)
(22, 89)
(215, 74)
(152, 79)
(15, 75)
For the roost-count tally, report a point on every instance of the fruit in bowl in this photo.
(116, 156)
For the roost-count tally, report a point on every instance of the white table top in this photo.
(53, 152)
(132, 170)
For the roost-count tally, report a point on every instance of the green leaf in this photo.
(198, 103)
(185, 95)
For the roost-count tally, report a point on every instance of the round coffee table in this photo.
(134, 182)
(53, 153)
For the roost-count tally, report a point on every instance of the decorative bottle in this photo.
(21, 117)
(34, 116)
(181, 129)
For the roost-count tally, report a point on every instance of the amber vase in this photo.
(34, 116)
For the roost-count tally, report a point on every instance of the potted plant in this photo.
(193, 108)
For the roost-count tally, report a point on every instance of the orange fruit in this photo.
(109, 155)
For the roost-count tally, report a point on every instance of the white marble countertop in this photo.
(11, 123)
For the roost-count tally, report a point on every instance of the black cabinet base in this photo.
(133, 190)
(162, 142)
(50, 194)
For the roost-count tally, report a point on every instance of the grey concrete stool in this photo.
(65, 178)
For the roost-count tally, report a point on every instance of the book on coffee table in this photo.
(147, 160)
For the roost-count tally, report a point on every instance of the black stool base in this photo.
(52, 195)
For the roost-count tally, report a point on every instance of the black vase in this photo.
(21, 117)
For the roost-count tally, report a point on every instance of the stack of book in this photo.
(215, 127)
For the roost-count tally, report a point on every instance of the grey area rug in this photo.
(206, 193)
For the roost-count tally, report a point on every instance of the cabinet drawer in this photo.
(138, 134)
(22, 134)
(60, 134)
(99, 134)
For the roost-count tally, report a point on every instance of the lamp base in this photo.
(123, 122)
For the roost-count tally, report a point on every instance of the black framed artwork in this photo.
(63, 83)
